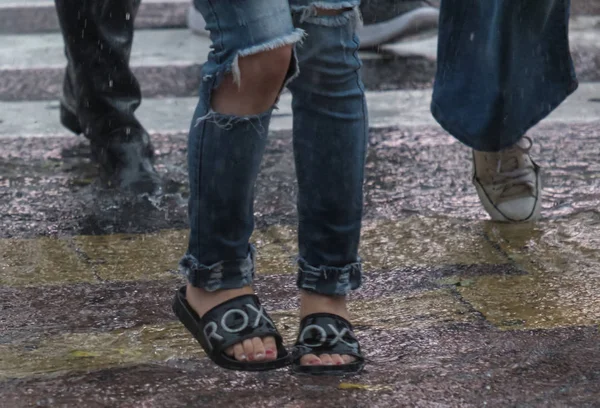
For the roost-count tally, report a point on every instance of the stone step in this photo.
(166, 62)
(173, 115)
(39, 16)
(585, 33)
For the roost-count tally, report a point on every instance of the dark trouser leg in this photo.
(100, 93)
(502, 67)
(99, 87)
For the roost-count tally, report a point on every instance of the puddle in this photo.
(563, 275)
(415, 241)
(40, 261)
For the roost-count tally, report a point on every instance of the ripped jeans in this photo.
(329, 138)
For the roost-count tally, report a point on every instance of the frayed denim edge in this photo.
(232, 66)
(220, 275)
(329, 280)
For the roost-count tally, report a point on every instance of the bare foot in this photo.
(314, 303)
(255, 349)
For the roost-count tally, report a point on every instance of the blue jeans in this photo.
(330, 138)
(503, 65)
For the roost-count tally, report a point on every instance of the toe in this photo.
(238, 352)
(336, 359)
(310, 359)
(326, 359)
(249, 349)
(259, 349)
(348, 359)
(270, 348)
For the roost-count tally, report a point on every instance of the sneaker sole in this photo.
(498, 216)
(413, 22)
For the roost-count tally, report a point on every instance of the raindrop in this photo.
(127, 16)
(110, 83)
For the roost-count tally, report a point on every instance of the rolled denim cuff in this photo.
(221, 275)
(329, 280)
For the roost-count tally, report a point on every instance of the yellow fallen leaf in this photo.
(365, 387)
(82, 354)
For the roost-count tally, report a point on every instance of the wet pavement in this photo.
(455, 311)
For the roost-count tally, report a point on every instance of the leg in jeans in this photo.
(100, 93)
(502, 67)
(247, 67)
(330, 139)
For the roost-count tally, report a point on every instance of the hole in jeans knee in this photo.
(329, 12)
(254, 83)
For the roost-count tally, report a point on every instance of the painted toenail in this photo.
(269, 352)
(250, 357)
(314, 362)
(339, 363)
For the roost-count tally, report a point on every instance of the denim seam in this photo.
(216, 16)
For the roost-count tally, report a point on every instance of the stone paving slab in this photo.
(39, 16)
(404, 108)
(109, 306)
(449, 365)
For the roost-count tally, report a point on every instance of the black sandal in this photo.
(326, 333)
(231, 323)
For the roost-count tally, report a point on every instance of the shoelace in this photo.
(509, 180)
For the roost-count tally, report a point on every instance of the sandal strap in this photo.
(326, 333)
(236, 320)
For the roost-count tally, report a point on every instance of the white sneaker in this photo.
(508, 183)
(196, 22)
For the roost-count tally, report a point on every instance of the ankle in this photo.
(202, 300)
(311, 302)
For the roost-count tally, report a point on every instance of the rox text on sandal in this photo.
(236, 321)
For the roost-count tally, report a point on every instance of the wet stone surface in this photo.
(49, 187)
(455, 310)
(449, 365)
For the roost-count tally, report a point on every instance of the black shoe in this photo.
(388, 20)
(127, 161)
(125, 156)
